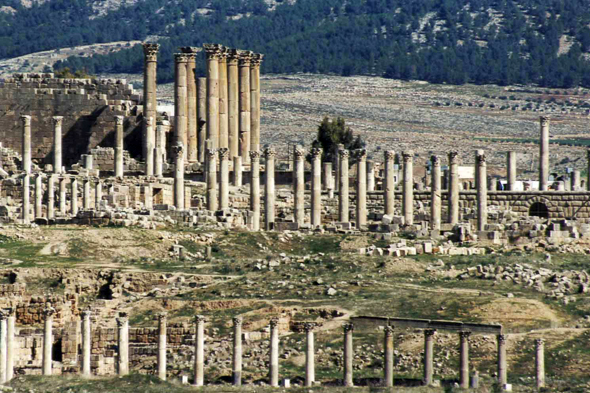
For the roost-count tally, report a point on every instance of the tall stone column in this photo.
(388, 355)
(159, 151)
(86, 343)
(274, 353)
(199, 350)
(26, 152)
(361, 188)
(540, 362)
(464, 359)
(74, 196)
(26, 199)
(86, 195)
(237, 171)
(51, 197)
(223, 101)
(511, 171)
(47, 340)
(178, 155)
(435, 194)
(576, 177)
(269, 189)
(3, 346)
(544, 154)
(255, 188)
(162, 346)
(98, 195)
(57, 137)
(255, 100)
(119, 146)
(233, 101)
(237, 352)
(336, 159)
(150, 104)
(10, 345)
(502, 365)
(309, 355)
(39, 195)
(123, 344)
(212, 180)
(343, 201)
(245, 116)
(389, 183)
(428, 356)
(190, 136)
(224, 178)
(214, 53)
(181, 61)
(408, 190)
(316, 188)
(201, 118)
(299, 157)
(453, 193)
(348, 352)
(370, 175)
(62, 195)
(327, 176)
(481, 178)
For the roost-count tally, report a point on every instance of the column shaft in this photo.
(51, 197)
(269, 192)
(199, 350)
(224, 178)
(119, 147)
(150, 104)
(309, 355)
(26, 152)
(361, 188)
(502, 365)
(255, 188)
(74, 196)
(348, 354)
(428, 357)
(453, 193)
(26, 198)
(511, 171)
(274, 353)
(327, 180)
(237, 352)
(86, 196)
(481, 178)
(237, 171)
(540, 362)
(162, 331)
(255, 101)
(370, 175)
(181, 61)
(214, 53)
(159, 151)
(544, 154)
(389, 183)
(408, 190)
(47, 341)
(201, 118)
(39, 196)
(190, 140)
(123, 344)
(435, 194)
(212, 180)
(316, 187)
(299, 185)
(62, 195)
(98, 195)
(86, 343)
(178, 155)
(223, 102)
(233, 103)
(464, 359)
(244, 104)
(57, 138)
(3, 347)
(343, 202)
(388, 354)
(10, 347)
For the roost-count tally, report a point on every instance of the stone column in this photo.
(98, 195)
(269, 191)
(86, 195)
(389, 183)
(213, 56)
(361, 188)
(190, 136)
(88, 161)
(408, 190)
(502, 365)
(370, 175)
(540, 362)
(86, 343)
(51, 197)
(343, 201)
(181, 61)
(435, 194)
(162, 346)
(223, 101)
(57, 152)
(255, 188)
(428, 356)
(576, 175)
(47, 340)
(178, 155)
(39, 195)
(327, 183)
(62, 195)
(233, 100)
(309, 355)
(74, 196)
(160, 149)
(26, 199)
(299, 185)
(10, 345)
(237, 353)
(316, 188)
(453, 193)
(464, 359)
(348, 353)
(199, 349)
(212, 179)
(511, 171)
(336, 158)
(481, 178)
(274, 353)
(123, 344)
(255, 101)
(588, 164)
(26, 149)
(245, 58)
(388, 355)
(224, 178)
(3, 346)
(201, 118)
(119, 146)
(544, 154)
(237, 171)
(150, 105)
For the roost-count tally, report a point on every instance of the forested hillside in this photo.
(454, 41)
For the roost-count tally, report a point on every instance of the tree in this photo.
(331, 134)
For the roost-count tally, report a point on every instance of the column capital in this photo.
(57, 120)
(162, 316)
(48, 311)
(178, 150)
(274, 322)
(150, 51)
(269, 152)
(199, 319)
(238, 321)
(191, 49)
(86, 314)
(407, 155)
(480, 157)
(316, 153)
(245, 58)
(122, 319)
(501, 338)
(254, 155)
(435, 160)
(211, 153)
(389, 155)
(26, 119)
(429, 332)
(464, 334)
(213, 51)
(119, 120)
(539, 342)
(361, 154)
(233, 56)
(181, 58)
(223, 153)
(4, 314)
(299, 152)
(348, 327)
(545, 120)
(454, 157)
(344, 154)
(389, 331)
(256, 59)
(309, 326)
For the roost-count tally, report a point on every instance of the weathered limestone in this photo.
(74, 196)
(57, 138)
(223, 101)
(388, 356)
(224, 178)
(62, 195)
(255, 188)
(435, 194)
(269, 188)
(453, 193)
(389, 183)
(464, 359)
(233, 101)
(214, 53)
(26, 152)
(159, 152)
(540, 362)
(370, 175)
(255, 101)
(343, 203)
(428, 356)
(47, 340)
(86, 343)
(274, 353)
(361, 188)
(237, 352)
(309, 355)
(237, 171)
(150, 104)
(123, 344)
(544, 154)
(244, 61)
(299, 157)
(190, 136)
(212, 179)
(98, 195)
(408, 187)
(502, 361)
(199, 350)
(119, 146)
(201, 119)
(316, 187)
(178, 156)
(511, 171)
(348, 353)
(481, 181)
(10, 345)
(51, 197)
(162, 346)
(181, 61)
(39, 195)
(26, 216)
(3, 345)
(86, 195)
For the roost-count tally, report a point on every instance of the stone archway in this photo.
(541, 206)
(539, 209)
